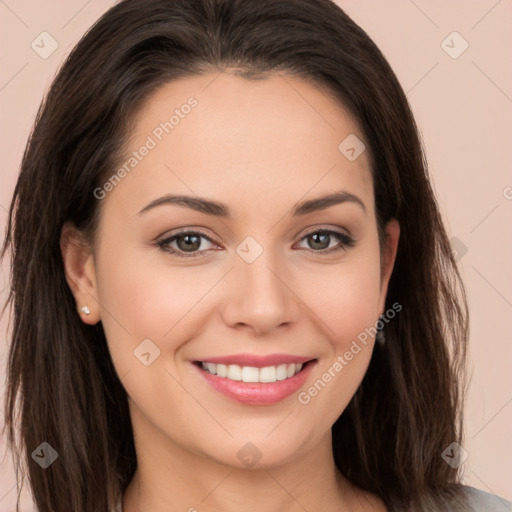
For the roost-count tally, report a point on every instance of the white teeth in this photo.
(222, 370)
(281, 372)
(251, 373)
(234, 372)
(268, 374)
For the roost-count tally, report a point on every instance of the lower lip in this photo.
(257, 393)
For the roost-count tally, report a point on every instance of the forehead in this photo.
(221, 135)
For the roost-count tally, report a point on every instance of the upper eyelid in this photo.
(314, 229)
(166, 236)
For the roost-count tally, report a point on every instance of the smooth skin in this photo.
(260, 147)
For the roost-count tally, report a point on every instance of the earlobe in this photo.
(80, 272)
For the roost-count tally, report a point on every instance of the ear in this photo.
(388, 256)
(80, 272)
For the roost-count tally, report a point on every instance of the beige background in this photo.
(463, 107)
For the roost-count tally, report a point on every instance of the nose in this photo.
(260, 297)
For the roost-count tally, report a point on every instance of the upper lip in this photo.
(257, 361)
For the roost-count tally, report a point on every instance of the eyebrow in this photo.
(217, 209)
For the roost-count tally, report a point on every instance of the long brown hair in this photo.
(61, 379)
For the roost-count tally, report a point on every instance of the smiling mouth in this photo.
(267, 374)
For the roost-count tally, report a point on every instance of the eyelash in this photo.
(347, 242)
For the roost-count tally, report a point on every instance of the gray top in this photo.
(481, 501)
(485, 502)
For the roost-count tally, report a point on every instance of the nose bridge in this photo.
(259, 296)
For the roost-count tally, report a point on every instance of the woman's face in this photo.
(253, 279)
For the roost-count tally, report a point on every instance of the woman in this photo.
(231, 284)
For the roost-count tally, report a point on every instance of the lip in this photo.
(257, 393)
(257, 361)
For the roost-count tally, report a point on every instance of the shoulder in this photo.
(486, 502)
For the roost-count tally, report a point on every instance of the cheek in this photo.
(345, 296)
(346, 302)
(349, 309)
(145, 298)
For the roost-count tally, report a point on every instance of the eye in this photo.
(320, 240)
(189, 244)
(186, 242)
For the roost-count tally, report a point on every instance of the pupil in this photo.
(189, 245)
(317, 235)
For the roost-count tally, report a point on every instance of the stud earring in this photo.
(85, 310)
